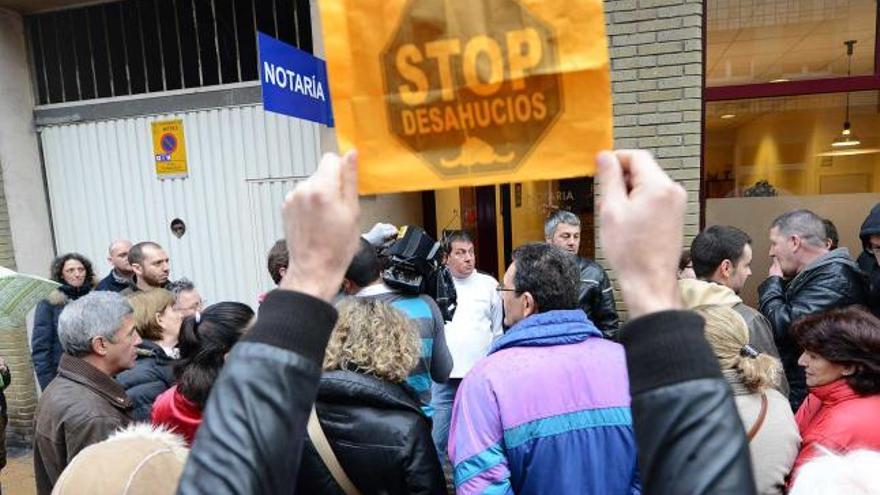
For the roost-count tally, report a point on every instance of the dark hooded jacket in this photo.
(45, 346)
(867, 261)
(596, 297)
(831, 281)
(379, 434)
(152, 374)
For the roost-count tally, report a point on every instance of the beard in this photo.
(155, 281)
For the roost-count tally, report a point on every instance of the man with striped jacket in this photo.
(548, 410)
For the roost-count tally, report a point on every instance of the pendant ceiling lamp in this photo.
(847, 139)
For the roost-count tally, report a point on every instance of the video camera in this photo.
(415, 266)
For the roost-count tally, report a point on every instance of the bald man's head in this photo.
(118, 257)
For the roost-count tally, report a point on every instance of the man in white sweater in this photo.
(475, 325)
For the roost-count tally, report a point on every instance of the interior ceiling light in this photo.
(779, 80)
(728, 116)
(850, 151)
(847, 138)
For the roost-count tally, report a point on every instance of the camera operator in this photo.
(364, 279)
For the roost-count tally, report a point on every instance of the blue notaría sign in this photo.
(294, 82)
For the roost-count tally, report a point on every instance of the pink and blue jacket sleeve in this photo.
(476, 441)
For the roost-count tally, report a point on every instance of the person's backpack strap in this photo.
(325, 452)
(761, 416)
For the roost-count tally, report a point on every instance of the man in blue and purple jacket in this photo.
(548, 410)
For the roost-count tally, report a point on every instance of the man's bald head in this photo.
(118, 257)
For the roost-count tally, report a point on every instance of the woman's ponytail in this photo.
(728, 335)
(205, 339)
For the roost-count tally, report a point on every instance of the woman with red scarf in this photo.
(841, 360)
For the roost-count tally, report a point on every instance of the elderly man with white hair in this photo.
(84, 405)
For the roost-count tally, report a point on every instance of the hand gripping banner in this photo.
(448, 93)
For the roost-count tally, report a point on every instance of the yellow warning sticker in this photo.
(169, 149)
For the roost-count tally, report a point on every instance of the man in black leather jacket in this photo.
(805, 278)
(595, 296)
(689, 434)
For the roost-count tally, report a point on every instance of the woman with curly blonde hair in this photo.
(375, 339)
(766, 414)
(371, 417)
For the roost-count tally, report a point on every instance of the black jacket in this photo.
(867, 261)
(691, 440)
(596, 297)
(110, 283)
(379, 434)
(6, 379)
(152, 374)
(45, 346)
(831, 281)
(255, 421)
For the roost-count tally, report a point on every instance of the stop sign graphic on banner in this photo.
(448, 93)
(457, 92)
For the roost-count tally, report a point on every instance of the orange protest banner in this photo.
(447, 93)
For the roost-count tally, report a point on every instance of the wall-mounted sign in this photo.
(447, 93)
(294, 82)
(169, 149)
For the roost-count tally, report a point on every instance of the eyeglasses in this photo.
(196, 306)
(502, 288)
(874, 249)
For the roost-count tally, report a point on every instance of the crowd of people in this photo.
(345, 383)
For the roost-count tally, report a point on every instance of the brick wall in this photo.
(656, 73)
(21, 395)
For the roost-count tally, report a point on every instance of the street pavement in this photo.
(17, 478)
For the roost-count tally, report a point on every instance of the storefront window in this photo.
(791, 117)
(764, 41)
(792, 146)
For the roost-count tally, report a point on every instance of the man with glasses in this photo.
(805, 278)
(475, 325)
(187, 300)
(548, 411)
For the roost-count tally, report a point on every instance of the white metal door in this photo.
(242, 160)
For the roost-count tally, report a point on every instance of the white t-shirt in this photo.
(476, 323)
